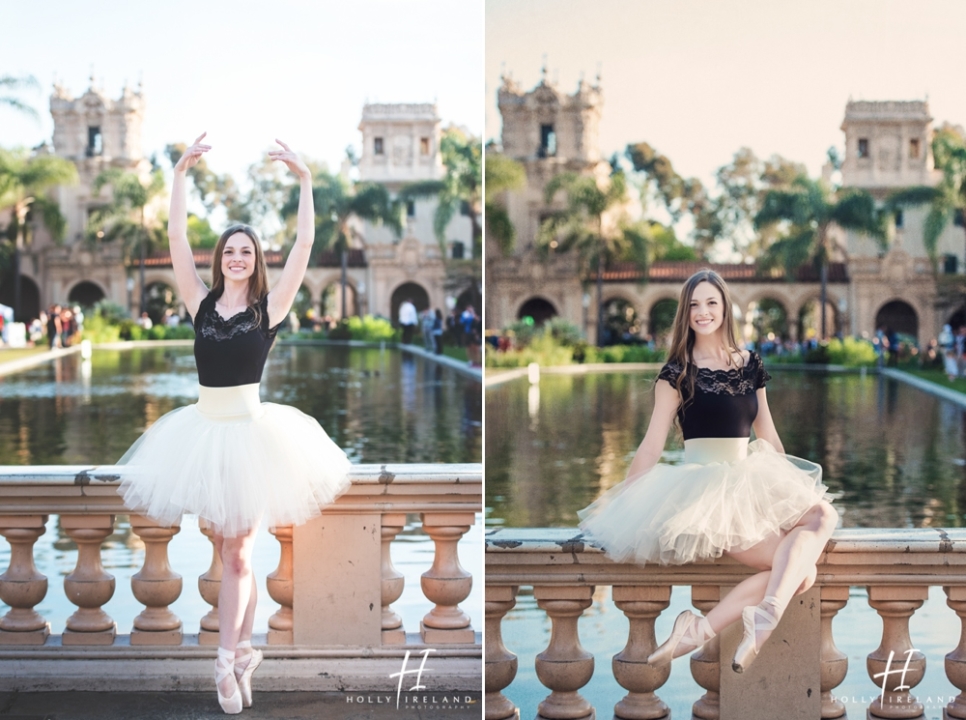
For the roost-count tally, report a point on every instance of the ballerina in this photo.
(230, 458)
(748, 501)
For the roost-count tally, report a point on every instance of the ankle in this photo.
(771, 603)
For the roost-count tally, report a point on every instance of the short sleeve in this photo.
(670, 372)
(761, 375)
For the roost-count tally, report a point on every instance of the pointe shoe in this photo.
(754, 618)
(224, 667)
(244, 676)
(688, 627)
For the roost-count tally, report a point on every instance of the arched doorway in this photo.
(86, 294)
(29, 297)
(900, 317)
(766, 321)
(331, 303)
(661, 319)
(468, 296)
(158, 297)
(415, 293)
(622, 324)
(537, 308)
(810, 320)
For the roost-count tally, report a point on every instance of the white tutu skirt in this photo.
(727, 495)
(233, 460)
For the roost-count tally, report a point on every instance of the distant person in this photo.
(54, 327)
(145, 322)
(428, 319)
(892, 341)
(959, 350)
(408, 319)
(945, 341)
(438, 332)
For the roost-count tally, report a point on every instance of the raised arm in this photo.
(282, 296)
(190, 286)
(649, 452)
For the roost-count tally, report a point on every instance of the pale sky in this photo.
(698, 79)
(248, 72)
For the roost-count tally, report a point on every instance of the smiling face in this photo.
(238, 257)
(706, 309)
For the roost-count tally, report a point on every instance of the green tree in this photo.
(336, 204)
(580, 226)
(503, 174)
(948, 199)
(24, 182)
(122, 220)
(808, 209)
(10, 83)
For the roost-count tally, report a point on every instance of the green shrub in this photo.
(97, 329)
(371, 329)
(565, 333)
(851, 352)
(543, 351)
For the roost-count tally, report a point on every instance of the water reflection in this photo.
(895, 454)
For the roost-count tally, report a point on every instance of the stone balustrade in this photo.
(798, 669)
(335, 581)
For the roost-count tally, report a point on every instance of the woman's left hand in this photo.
(293, 161)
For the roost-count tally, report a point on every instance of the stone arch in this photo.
(416, 294)
(660, 316)
(159, 296)
(622, 321)
(29, 296)
(330, 299)
(86, 293)
(539, 308)
(809, 318)
(898, 315)
(767, 315)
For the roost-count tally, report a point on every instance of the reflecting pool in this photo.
(379, 406)
(893, 454)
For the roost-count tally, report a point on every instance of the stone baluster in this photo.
(501, 664)
(209, 585)
(22, 587)
(706, 662)
(641, 605)
(446, 583)
(834, 663)
(281, 588)
(155, 586)
(956, 660)
(896, 604)
(393, 581)
(89, 586)
(564, 667)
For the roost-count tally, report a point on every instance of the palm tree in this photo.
(114, 221)
(948, 199)
(24, 180)
(811, 208)
(336, 203)
(502, 174)
(9, 82)
(579, 226)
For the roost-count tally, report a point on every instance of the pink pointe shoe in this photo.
(763, 617)
(224, 667)
(690, 631)
(243, 673)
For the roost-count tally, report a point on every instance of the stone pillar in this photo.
(564, 667)
(88, 586)
(209, 585)
(501, 664)
(705, 662)
(156, 586)
(22, 587)
(896, 604)
(446, 583)
(281, 588)
(835, 663)
(393, 581)
(956, 660)
(641, 605)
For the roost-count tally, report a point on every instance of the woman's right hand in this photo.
(193, 154)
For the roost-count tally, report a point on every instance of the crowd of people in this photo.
(61, 325)
(463, 328)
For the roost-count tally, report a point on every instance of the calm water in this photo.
(895, 454)
(380, 406)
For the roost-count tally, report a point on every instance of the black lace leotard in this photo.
(725, 402)
(231, 352)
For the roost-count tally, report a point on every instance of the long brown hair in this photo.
(682, 336)
(257, 283)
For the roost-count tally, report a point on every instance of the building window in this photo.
(548, 141)
(459, 250)
(958, 218)
(377, 146)
(914, 148)
(95, 142)
(411, 208)
(424, 146)
(863, 147)
(899, 218)
(950, 264)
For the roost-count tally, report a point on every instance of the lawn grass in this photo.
(938, 377)
(9, 354)
(455, 352)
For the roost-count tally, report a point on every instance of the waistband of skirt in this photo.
(240, 402)
(709, 450)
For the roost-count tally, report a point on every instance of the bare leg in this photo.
(237, 582)
(243, 655)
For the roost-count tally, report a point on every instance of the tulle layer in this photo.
(234, 461)
(676, 514)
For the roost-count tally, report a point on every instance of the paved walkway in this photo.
(198, 706)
